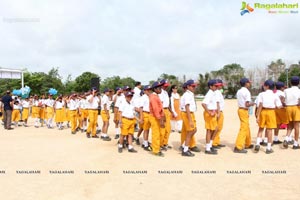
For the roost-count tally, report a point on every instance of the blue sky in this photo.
(143, 38)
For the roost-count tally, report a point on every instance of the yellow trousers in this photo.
(25, 113)
(167, 126)
(220, 122)
(73, 119)
(93, 119)
(244, 136)
(15, 116)
(184, 131)
(157, 134)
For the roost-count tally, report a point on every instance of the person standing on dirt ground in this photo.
(243, 140)
(7, 107)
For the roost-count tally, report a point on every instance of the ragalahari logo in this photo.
(246, 8)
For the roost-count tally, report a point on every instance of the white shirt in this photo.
(292, 96)
(105, 101)
(172, 98)
(49, 102)
(73, 104)
(95, 102)
(210, 100)
(59, 105)
(220, 99)
(119, 101)
(164, 97)
(188, 99)
(127, 109)
(243, 95)
(269, 99)
(25, 104)
(145, 103)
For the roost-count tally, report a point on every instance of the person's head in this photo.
(50, 96)
(147, 89)
(129, 95)
(8, 92)
(279, 85)
(219, 83)
(174, 88)
(156, 87)
(118, 90)
(138, 84)
(126, 89)
(106, 91)
(295, 80)
(213, 84)
(268, 85)
(165, 84)
(245, 82)
(191, 85)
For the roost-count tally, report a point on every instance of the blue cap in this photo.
(118, 88)
(106, 90)
(126, 87)
(269, 83)
(165, 82)
(243, 81)
(295, 79)
(156, 84)
(190, 82)
(184, 85)
(129, 93)
(212, 82)
(147, 87)
(94, 88)
(279, 85)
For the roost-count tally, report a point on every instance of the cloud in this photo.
(142, 38)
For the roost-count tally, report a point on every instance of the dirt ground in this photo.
(62, 162)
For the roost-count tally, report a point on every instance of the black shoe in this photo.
(188, 154)
(163, 148)
(263, 143)
(250, 147)
(73, 132)
(10, 128)
(180, 148)
(88, 135)
(285, 144)
(256, 148)
(147, 148)
(160, 154)
(221, 145)
(268, 151)
(98, 131)
(132, 150)
(213, 149)
(216, 147)
(138, 141)
(117, 137)
(211, 152)
(296, 147)
(236, 150)
(291, 142)
(195, 149)
(95, 136)
(168, 146)
(120, 149)
(106, 138)
(277, 142)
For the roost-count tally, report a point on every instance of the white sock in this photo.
(130, 147)
(290, 138)
(117, 131)
(295, 143)
(287, 138)
(210, 143)
(145, 143)
(265, 140)
(269, 146)
(120, 145)
(275, 138)
(208, 147)
(258, 140)
(185, 148)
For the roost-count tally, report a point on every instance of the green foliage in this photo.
(116, 81)
(83, 82)
(203, 79)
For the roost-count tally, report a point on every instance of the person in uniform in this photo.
(292, 99)
(266, 117)
(127, 122)
(25, 112)
(49, 103)
(92, 107)
(176, 121)
(105, 115)
(58, 109)
(243, 140)
(73, 104)
(188, 106)
(157, 119)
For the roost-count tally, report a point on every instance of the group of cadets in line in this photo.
(153, 107)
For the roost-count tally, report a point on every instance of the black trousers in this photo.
(7, 118)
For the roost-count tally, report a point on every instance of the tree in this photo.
(203, 79)
(293, 70)
(275, 69)
(116, 81)
(69, 85)
(83, 82)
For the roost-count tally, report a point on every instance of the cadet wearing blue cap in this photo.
(92, 107)
(243, 140)
(266, 117)
(117, 96)
(105, 115)
(292, 97)
(211, 105)
(281, 116)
